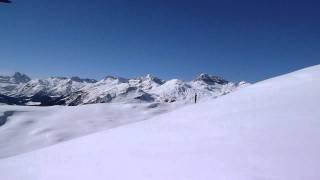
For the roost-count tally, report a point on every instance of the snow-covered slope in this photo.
(28, 128)
(76, 91)
(268, 131)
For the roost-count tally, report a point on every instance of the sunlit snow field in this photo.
(30, 127)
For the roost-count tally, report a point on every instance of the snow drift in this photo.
(267, 131)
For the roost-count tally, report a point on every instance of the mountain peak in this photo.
(149, 76)
(113, 78)
(78, 79)
(153, 78)
(58, 77)
(209, 79)
(21, 78)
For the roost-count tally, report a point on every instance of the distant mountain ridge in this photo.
(76, 91)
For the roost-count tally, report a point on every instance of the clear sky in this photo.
(240, 40)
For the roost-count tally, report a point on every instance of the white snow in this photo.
(267, 131)
(54, 86)
(31, 128)
(31, 103)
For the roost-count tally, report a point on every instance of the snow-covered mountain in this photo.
(10, 83)
(267, 131)
(76, 91)
(53, 86)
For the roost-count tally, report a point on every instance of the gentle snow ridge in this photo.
(268, 131)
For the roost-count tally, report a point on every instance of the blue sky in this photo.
(239, 40)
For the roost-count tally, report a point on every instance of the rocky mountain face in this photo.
(9, 83)
(15, 79)
(22, 90)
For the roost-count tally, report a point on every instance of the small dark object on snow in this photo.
(5, 1)
(195, 98)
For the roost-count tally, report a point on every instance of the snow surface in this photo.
(30, 128)
(267, 131)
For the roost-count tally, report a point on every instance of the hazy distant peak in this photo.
(115, 78)
(78, 79)
(58, 77)
(20, 78)
(209, 79)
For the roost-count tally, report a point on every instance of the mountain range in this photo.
(20, 89)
